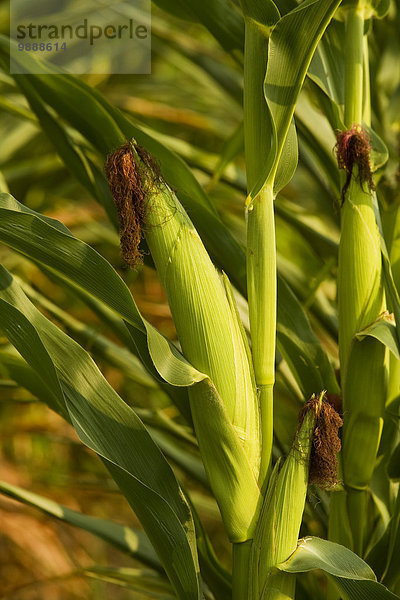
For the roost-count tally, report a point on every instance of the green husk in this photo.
(279, 525)
(363, 363)
(225, 410)
(360, 290)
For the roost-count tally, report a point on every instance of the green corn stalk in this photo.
(261, 247)
(360, 301)
(214, 342)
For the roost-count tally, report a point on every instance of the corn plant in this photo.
(285, 393)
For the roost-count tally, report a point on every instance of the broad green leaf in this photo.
(288, 160)
(260, 17)
(50, 243)
(393, 468)
(384, 555)
(393, 109)
(177, 453)
(233, 147)
(324, 245)
(316, 143)
(99, 345)
(128, 540)
(354, 579)
(391, 574)
(291, 47)
(109, 427)
(327, 65)
(119, 328)
(218, 580)
(379, 152)
(392, 294)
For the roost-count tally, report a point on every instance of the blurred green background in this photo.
(192, 103)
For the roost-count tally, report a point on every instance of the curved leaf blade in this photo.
(128, 540)
(51, 244)
(291, 48)
(109, 427)
(354, 579)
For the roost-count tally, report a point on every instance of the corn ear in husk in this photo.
(361, 301)
(278, 531)
(224, 407)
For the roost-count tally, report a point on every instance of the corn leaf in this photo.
(392, 294)
(393, 467)
(383, 330)
(50, 243)
(291, 47)
(327, 65)
(73, 156)
(217, 578)
(109, 427)
(354, 579)
(128, 540)
(15, 368)
(233, 147)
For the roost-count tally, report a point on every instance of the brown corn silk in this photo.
(326, 443)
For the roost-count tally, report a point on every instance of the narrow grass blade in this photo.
(128, 540)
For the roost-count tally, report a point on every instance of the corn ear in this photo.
(363, 364)
(205, 318)
(285, 505)
(212, 340)
(360, 290)
(278, 530)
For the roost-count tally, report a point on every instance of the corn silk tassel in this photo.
(361, 302)
(209, 331)
(311, 460)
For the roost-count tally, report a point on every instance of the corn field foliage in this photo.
(256, 172)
